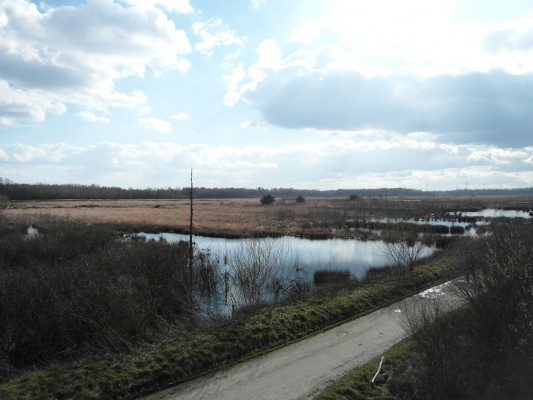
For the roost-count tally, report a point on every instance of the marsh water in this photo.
(495, 213)
(352, 255)
(301, 258)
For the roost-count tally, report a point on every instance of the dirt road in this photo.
(303, 368)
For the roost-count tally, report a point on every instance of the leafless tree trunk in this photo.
(191, 249)
(258, 268)
(404, 254)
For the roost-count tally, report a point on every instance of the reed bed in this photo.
(316, 217)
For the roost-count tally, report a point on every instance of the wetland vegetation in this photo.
(110, 316)
(480, 351)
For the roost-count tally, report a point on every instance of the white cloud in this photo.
(90, 117)
(258, 3)
(177, 6)
(155, 124)
(7, 121)
(16, 104)
(425, 38)
(241, 81)
(54, 153)
(213, 34)
(181, 116)
(234, 91)
(52, 57)
(332, 164)
(499, 156)
(269, 59)
(307, 32)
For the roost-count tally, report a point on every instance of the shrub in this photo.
(483, 350)
(73, 288)
(267, 199)
(331, 277)
(457, 230)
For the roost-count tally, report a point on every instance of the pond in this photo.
(353, 255)
(494, 213)
(467, 220)
(432, 222)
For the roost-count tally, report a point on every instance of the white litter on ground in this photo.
(431, 293)
(434, 291)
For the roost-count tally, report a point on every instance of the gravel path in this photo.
(303, 368)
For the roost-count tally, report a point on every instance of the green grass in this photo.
(357, 384)
(187, 356)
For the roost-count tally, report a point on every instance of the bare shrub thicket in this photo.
(74, 288)
(404, 254)
(485, 349)
(261, 270)
(402, 248)
(332, 277)
(4, 200)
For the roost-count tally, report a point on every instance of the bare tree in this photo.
(404, 253)
(259, 268)
(4, 201)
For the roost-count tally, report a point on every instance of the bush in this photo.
(267, 199)
(331, 277)
(485, 349)
(73, 288)
(457, 230)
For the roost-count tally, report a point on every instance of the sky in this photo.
(308, 94)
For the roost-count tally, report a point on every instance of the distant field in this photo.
(229, 216)
(238, 217)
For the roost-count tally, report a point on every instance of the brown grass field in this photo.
(241, 217)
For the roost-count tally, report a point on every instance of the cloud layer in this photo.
(345, 161)
(263, 93)
(486, 108)
(56, 57)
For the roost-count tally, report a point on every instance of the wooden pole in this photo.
(191, 250)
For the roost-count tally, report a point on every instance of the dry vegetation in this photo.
(238, 217)
(218, 216)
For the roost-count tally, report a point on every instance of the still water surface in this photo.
(356, 256)
(495, 213)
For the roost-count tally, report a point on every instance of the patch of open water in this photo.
(353, 255)
(494, 213)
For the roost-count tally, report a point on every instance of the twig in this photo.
(379, 369)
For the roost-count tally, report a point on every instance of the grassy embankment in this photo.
(153, 367)
(358, 384)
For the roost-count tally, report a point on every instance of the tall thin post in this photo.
(191, 250)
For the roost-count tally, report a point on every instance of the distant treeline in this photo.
(16, 191)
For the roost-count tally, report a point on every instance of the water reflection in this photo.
(356, 256)
(449, 223)
(31, 232)
(495, 213)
